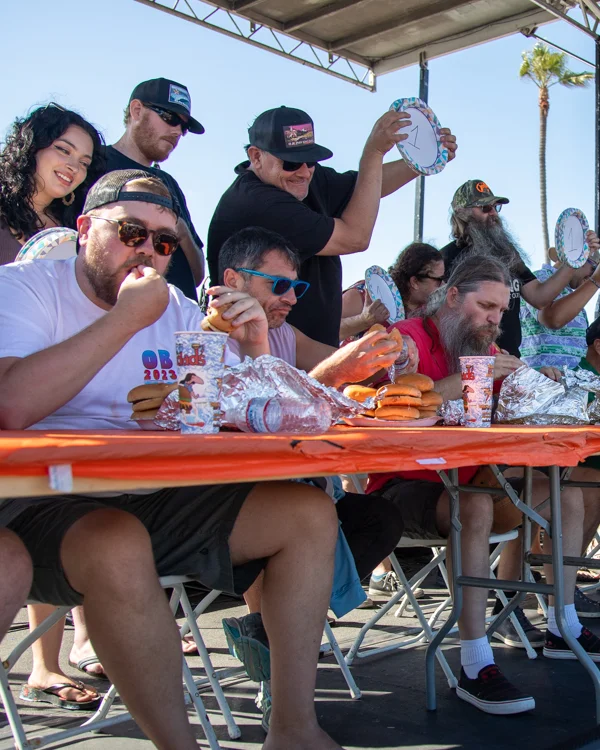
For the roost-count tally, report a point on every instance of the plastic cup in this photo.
(200, 367)
(477, 374)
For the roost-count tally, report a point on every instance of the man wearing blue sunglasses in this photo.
(323, 213)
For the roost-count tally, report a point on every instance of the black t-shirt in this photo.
(510, 339)
(179, 273)
(307, 224)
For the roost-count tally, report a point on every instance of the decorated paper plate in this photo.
(56, 243)
(571, 245)
(423, 149)
(380, 285)
(372, 422)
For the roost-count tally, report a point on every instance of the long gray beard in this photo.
(461, 339)
(493, 239)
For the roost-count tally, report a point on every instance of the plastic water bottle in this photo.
(279, 414)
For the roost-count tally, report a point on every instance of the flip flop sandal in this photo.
(50, 695)
(194, 651)
(83, 663)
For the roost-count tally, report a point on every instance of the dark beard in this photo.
(461, 339)
(105, 285)
(493, 239)
(145, 140)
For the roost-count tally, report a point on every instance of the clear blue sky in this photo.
(89, 55)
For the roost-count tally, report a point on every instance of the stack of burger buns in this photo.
(147, 399)
(410, 397)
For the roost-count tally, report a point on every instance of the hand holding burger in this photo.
(242, 315)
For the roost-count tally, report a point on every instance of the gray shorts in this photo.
(189, 528)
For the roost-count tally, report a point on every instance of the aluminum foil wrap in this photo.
(529, 397)
(452, 412)
(400, 364)
(268, 376)
(590, 383)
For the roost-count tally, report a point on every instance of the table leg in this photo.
(559, 586)
(451, 484)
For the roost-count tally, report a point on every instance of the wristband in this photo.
(594, 282)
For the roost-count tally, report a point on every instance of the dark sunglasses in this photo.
(171, 118)
(488, 209)
(133, 234)
(437, 279)
(281, 284)
(294, 166)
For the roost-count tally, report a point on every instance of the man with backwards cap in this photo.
(324, 214)
(476, 226)
(158, 114)
(75, 336)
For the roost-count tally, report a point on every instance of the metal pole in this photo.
(420, 188)
(597, 191)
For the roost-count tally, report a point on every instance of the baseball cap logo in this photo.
(180, 95)
(481, 187)
(298, 135)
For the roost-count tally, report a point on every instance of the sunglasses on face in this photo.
(281, 284)
(171, 118)
(438, 279)
(134, 234)
(488, 209)
(294, 166)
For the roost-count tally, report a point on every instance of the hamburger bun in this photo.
(147, 404)
(397, 413)
(400, 401)
(432, 398)
(397, 389)
(423, 382)
(368, 413)
(150, 391)
(376, 328)
(140, 416)
(427, 413)
(214, 320)
(396, 336)
(359, 392)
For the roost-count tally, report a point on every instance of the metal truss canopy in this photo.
(358, 40)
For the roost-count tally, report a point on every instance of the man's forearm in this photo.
(361, 212)
(450, 388)
(562, 311)
(193, 253)
(542, 293)
(352, 326)
(396, 174)
(36, 386)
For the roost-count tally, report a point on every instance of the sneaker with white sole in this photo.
(492, 693)
(556, 647)
(389, 585)
(585, 606)
(507, 633)
(263, 703)
(247, 641)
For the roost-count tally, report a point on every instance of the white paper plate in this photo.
(55, 243)
(569, 237)
(380, 286)
(372, 422)
(423, 149)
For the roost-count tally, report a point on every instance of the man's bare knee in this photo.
(108, 544)
(476, 512)
(15, 566)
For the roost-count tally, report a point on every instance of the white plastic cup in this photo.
(200, 367)
(477, 375)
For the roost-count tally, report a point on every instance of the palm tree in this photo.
(546, 68)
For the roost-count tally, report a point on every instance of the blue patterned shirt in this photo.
(543, 347)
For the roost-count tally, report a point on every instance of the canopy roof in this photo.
(360, 39)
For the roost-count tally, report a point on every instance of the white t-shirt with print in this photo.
(41, 304)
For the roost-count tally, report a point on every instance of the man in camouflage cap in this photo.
(476, 226)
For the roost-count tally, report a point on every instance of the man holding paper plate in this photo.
(323, 213)
(477, 227)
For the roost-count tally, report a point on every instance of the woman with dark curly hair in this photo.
(417, 272)
(49, 160)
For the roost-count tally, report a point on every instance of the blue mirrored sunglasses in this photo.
(281, 284)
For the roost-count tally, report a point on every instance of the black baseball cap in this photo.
(109, 189)
(288, 134)
(475, 193)
(170, 95)
(593, 332)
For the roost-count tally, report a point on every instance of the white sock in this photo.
(475, 655)
(571, 619)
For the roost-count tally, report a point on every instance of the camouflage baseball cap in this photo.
(475, 193)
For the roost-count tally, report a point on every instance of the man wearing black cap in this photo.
(322, 213)
(159, 112)
(476, 226)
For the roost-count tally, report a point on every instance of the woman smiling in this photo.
(49, 160)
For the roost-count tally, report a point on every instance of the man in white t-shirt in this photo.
(75, 336)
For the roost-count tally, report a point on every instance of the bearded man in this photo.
(158, 114)
(463, 318)
(476, 227)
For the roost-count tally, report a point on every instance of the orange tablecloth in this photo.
(159, 459)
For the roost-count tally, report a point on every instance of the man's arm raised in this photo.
(33, 387)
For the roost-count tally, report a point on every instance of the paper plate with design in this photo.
(571, 245)
(380, 285)
(56, 243)
(423, 149)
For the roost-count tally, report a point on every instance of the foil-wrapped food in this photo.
(529, 397)
(453, 413)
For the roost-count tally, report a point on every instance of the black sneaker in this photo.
(491, 692)
(248, 642)
(584, 606)
(556, 647)
(508, 633)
